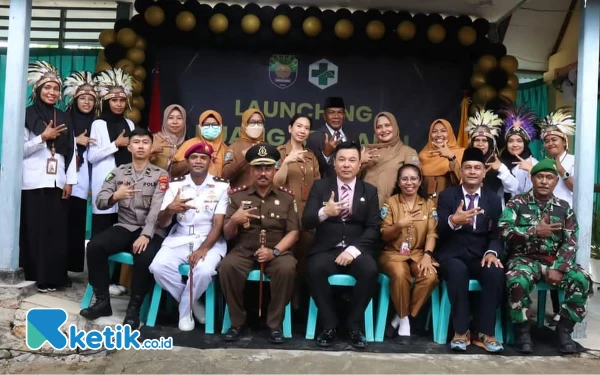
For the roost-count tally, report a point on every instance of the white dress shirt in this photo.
(331, 132)
(561, 190)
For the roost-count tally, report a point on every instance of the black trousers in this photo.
(115, 240)
(457, 272)
(364, 269)
(77, 224)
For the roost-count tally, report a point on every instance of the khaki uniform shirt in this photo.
(235, 168)
(140, 211)
(278, 216)
(424, 225)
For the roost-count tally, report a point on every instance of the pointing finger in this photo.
(461, 204)
(520, 158)
(332, 196)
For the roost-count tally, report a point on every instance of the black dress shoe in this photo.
(276, 337)
(390, 331)
(326, 337)
(358, 340)
(234, 334)
(402, 340)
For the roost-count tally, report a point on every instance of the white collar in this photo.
(331, 131)
(478, 192)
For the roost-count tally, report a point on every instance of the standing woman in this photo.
(81, 95)
(386, 155)
(49, 172)
(236, 169)
(111, 132)
(408, 231)
(170, 138)
(440, 159)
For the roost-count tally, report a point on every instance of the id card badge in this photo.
(51, 165)
(304, 192)
(405, 249)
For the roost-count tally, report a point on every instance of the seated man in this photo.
(540, 230)
(198, 201)
(469, 247)
(138, 188)
(345, 212)
(251, 210)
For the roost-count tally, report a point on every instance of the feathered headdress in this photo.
(41, 72)
(114, 83)
(560, 122)
(520, 121)
(484, 123)
(79, 83)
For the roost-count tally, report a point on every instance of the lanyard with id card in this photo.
(51, 162)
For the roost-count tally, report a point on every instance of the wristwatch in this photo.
(429, 252)
(566, 175)
(276, 251)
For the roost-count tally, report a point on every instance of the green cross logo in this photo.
(323, 74)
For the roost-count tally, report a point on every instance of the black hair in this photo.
(300, 115)
(420, 190)
(142, 132)
(346, 146)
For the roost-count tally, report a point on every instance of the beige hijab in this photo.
(172, 138)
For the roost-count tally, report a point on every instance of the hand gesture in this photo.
(523, 164)
(442, 151)
(330, 144)
(462, 217)
(83, 140)
(179, 205)
(368, 156)
(126, 191)
(264, 254)
(197, 256)
(241, 215)
(490, 259)
(333, 208)
(53, 132)
(159, 145)
(544, 229)
(140, 245)
(66, 193)
(295, 156)
(407, 221)
(122, 140)
(494, 165)
(344, 259)
(554, 277)
(427, 266)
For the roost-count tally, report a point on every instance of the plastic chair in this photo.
(445, 308)
(542, 288)
(254, 275)
(125, 258)
(339, 280)
(384, 302)
(184, 270)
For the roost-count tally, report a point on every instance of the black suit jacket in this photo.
(464, 242)
(315, 144)
(360, 230)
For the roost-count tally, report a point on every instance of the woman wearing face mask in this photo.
(236, 168)
(79, 90)
(386, 155)
(440, 159)
(210, 130)
(49, 172)
(169, 139)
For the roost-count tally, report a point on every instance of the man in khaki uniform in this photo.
(252, 209)
(138, 188)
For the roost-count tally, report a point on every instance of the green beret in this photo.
(546, 165)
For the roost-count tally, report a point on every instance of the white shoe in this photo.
(199, 311)
(186, 323)
(114, 290)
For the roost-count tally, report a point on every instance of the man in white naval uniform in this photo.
(198, 201)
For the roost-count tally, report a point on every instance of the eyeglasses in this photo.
(411, 179)
(214, 126)
(259, 123)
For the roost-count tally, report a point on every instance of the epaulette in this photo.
(238, 189)
(219, 179)
(175, 179)
(283, 188)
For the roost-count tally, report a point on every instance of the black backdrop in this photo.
(229, 81)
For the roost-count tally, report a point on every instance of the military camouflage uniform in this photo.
(530, 257)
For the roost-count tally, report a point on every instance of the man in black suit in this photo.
(323, 141)
(470, 248)
(345, 212)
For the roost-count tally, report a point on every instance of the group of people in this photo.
(316, 206)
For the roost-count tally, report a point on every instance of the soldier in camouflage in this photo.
(541, 233)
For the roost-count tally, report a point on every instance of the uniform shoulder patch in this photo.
(163, 183)
(415, 159)
(220, 179)
(284, 189)
(109, 177)
(228, 155)
(175, 179)
(238, 189)
(384, 210)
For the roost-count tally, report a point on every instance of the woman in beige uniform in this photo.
(236, 169)
(169, 139)
(408, 230)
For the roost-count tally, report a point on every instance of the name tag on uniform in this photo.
(51, 165)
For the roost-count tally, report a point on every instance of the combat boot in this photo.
(564, 328)
(100, 308)
(523, 343)
(132, 316)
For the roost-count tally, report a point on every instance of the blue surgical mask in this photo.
(210, 132)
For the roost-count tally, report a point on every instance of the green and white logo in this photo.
(323, 74)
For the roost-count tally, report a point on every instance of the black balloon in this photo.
(235, 14)
(252, 8)
(141, 5)
(266, 15)
(121, 24)
(482, 26)
(283, 9)
(464, 21)
(373, 14)
(497, 78)
(420, 20)
(114, 52)
(390, 20)
(451, 25)
(221, 8)
(402, 16)
(139, 25)
(498, 50)
(313, 11)
(435, 18)
(328, 18)
(343, 13)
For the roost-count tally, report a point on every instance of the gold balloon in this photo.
(477, 80)
(406, 30)
(508, 95)
(509, 64)
(436, 33)
(102, 65)
(312, 26)
(467, 35)
(281, 24)
(375, 30)
(138, 102)
(218, 23)
(185, 21)
(140, 43)
(126, 37)
(139, 73)
(484, 94)
(136, 55)
(101, 56)
(138, 87)
(513, 81)
(486, 63)
(154, 15)
(134, 115)
(250, 24)
(125, 64)
(107, 37)
(343, 29)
